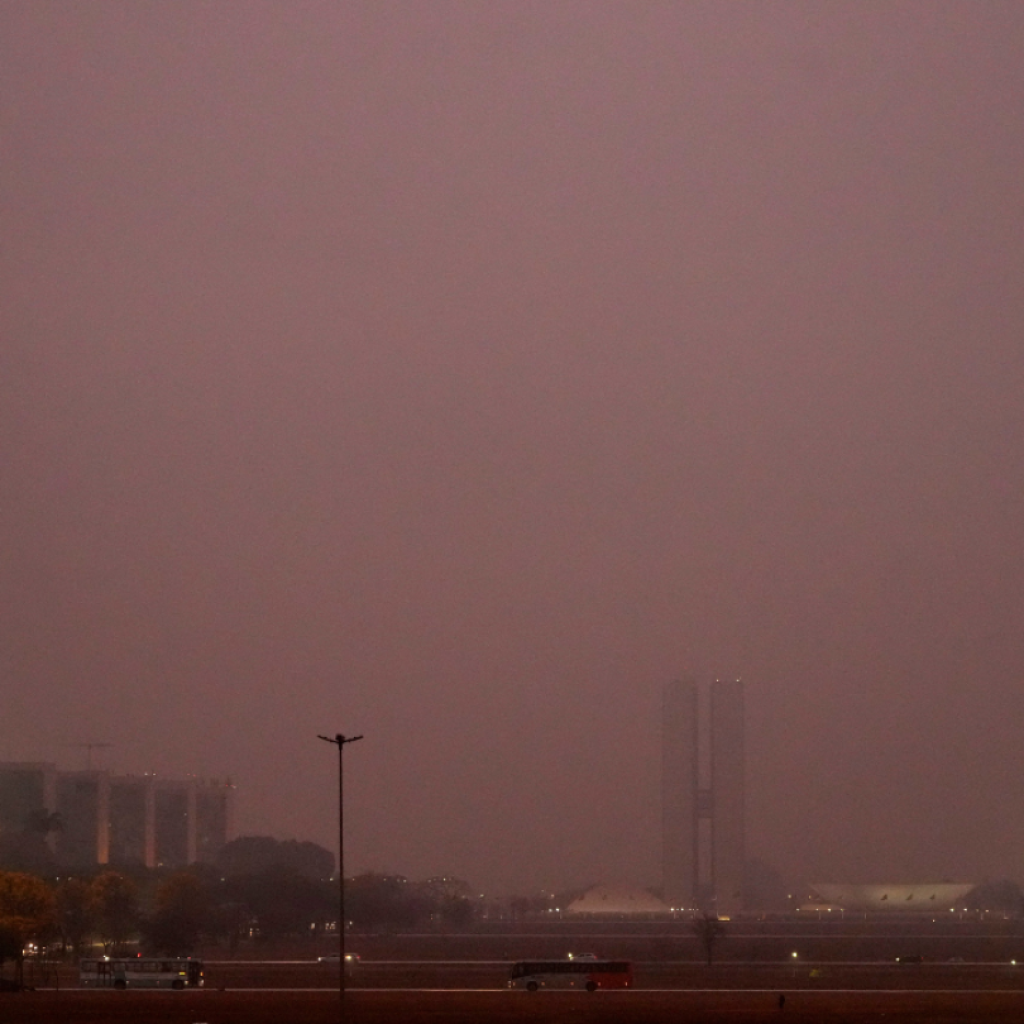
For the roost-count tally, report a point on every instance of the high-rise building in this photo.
(132, 820)
(83, 803)
(694, 871)
(118, 819)
(679, 794)
(215, 819)
(728, 769)
(174, 824)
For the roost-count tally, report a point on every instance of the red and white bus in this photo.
(586, 974)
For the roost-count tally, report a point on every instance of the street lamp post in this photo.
(339, 741)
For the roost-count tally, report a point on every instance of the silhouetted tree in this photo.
(76, 918)
(457, 911)
(115, 901)
(229, 919)
(450, 900)
(27, 914)
(181, 912)
(1003, 897)
(11, 947)
(252, 855)
(27, 906)
(385, 902)
(283, 902)
(522, 907)
(708, 929)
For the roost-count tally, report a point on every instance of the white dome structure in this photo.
(617, 901)
(904, 898)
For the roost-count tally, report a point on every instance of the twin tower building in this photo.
(702, 798)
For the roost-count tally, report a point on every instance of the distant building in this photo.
(727, 810)
(891, 898)
(617, 901)
(83, 803)
(685, 803)
(214, 820)
(680, 790)
(119, 819)
(132, 820)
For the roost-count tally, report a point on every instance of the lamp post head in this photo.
(338, 739)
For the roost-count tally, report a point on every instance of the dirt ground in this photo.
(637, 1007)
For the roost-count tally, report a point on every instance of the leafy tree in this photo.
(253, 855)
(1003, 897)
(248, 855)
(10, 949)
(308, 858)
(375, 901)
(283, 902)
(27, 906)
(76, 918)
(182, 911)
(451, 900)
(26, 915)
(538, 905)
(229, 920)
(457, 911)
(708, 929)
(115, 901)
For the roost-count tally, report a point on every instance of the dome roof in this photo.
(900, 897)
(611, 899)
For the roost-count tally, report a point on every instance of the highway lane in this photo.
(490, 976)
(616, 994)
(650, 976)
(428, 1006)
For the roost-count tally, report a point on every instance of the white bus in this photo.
(584, 973)
(141, 972)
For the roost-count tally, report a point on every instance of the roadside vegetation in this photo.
(260, 892)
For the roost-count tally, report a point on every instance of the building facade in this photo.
(703, 865)
(117, 819)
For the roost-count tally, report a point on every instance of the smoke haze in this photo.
(460, 374)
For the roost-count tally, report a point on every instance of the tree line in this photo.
(260, 890)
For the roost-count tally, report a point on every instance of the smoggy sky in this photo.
(459, 374)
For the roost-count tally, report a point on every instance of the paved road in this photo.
(495, 1007)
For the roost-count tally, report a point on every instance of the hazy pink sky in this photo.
(459, 374)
